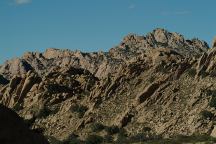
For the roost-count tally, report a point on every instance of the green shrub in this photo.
(207, 115)
(97, 127)
(108, 139)
(138, 137)
(203, 74)
(94, 139)
(192, 72)
(72, 139)
(210, 92)
(213, 102)
(146, 129)
(44, 112)
(151, 79)
(79, 109)
(112, 130)
(212, 73)
(121, 136)
(192, 138)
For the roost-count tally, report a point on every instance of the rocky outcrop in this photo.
(103, 63)
(214, 43)
(159, 81)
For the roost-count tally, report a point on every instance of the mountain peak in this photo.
(160, 84)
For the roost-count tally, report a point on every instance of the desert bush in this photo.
(79, 109)
(96, 127)
(213, 102)
(207, 114)
(108, 139)
(94, 139)
(192, 72)
(146, 129)
(112, 130)
(179, 139)
(121, 136)
(210, 92)
(151, 79)
(72, 139)
(138, 137)
(43, 112)
(203, 74)
(192, 138)
(212, 73)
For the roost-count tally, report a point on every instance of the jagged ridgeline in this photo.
(148, 87)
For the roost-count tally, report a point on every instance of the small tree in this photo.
(79, 109)
(94, 139)
(207, 115)
(112, 130)
(97, 127)
(192, 72)
(213, 102)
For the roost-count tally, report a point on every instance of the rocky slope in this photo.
(155, 85)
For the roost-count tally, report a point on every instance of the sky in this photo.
(97, 25)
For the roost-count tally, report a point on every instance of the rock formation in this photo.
(160, 83)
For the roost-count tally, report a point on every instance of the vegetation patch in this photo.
(213, 102)
(79, 109)
(97, 127)
(94, 139)
(207, 114)
(191, 72)
(112, 130)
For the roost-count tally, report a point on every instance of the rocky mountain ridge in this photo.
(155, 85)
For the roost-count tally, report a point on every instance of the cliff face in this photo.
(159, 84)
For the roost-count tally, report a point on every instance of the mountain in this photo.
(155, 86)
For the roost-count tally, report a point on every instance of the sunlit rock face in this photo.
(159, 84)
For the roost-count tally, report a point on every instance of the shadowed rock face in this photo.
(160, 82)
(3, 80)
(13, 130)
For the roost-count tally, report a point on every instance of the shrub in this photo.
(94, 139)
(112, 130)
(79, 109)
(108, 139)
(72, 139)
(96, 127)
(212, 73)
(203, 74)
(207, 115)
(138, 137)
(192, 139)
(192, 72)
(44, 112)
(146, 129)
(213, 102)
(210, 92)
(122, 136)
(152, 79)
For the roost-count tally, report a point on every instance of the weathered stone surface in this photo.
(160, 82)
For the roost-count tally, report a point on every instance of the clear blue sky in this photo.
(92, 25)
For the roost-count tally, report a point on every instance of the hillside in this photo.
(155, 86)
